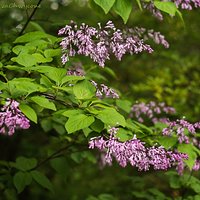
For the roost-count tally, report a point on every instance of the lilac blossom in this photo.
(135, 153)
(182, 4)
(179, 127)
(11, 118)
(152, 111)
(187, 4)
(99, 43)
(152, 9)
(104, 91)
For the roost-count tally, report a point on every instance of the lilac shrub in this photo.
(135, 153)
(11, 118)
(99, 43)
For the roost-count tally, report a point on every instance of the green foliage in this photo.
(42, 180)
(25, 164)
(78, 122)
(43, 102)
(105, 4)
(29, 112)
(111, 117)
(123, 9)
(21, 180)
(84, 90)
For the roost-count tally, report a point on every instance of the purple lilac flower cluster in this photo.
(99, 43)
(104, 91)
(183, 4)
(11, 118)
(151, 111)
(179, 127)
(134, 152)
(187, 4)
(153, 10)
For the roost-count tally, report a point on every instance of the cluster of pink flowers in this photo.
(183, 4)
(11, 118)
(187, 4)
(179, 127)
(134, 152)
(152, 111)
(104, 91)
(99, 43)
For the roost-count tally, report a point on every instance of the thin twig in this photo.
(53, 155)
(30, 17)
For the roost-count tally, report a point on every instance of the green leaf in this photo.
(97, 126)
(84, 90)
(43, 102)
(28, 37)
(143, 128)
(70, 113)
(56, 74)
(190, 151)
(166, 6)
(124, 135)
(21, 180)
(49, 53)
(66, 79)
(78, 122)
(25, 164)
(39, 44)
(40, 58)
(23, 86)
(25, 59)
(111, 117)
(45, 81)
(167, 142)
(23, 49)
(28, 112)
(42, 180)
(106, 5)
(87, 131)
(36, 26)
(123, 9)
(124, 105)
